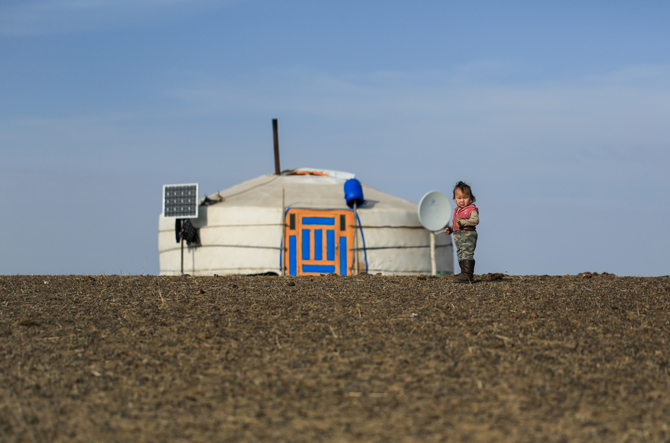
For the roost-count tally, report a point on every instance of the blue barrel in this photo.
(353, 193)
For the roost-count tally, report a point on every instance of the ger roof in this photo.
(303, 188)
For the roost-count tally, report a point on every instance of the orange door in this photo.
(319, 242)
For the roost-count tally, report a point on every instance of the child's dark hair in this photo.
(465, 188)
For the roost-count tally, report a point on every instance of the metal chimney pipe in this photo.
(276, 136)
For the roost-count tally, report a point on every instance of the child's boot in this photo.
(467, 272)
(461, 278)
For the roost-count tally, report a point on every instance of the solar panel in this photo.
(180, 201)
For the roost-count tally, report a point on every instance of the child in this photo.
(466, 217)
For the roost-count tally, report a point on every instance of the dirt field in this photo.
(367, 358)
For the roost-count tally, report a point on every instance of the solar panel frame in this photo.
(180, 200)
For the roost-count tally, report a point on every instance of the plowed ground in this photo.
(367, 358)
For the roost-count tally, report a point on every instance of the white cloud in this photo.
(539, 130)
(627, 107)
(615, 121)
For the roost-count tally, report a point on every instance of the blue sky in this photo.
(555, 112)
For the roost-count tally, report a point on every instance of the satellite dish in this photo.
(434, 211)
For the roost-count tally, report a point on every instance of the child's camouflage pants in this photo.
(466, 242)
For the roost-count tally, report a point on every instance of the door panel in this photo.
(308, 253)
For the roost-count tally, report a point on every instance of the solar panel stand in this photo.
(182, 256)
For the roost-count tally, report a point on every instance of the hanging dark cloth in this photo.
(177, 228)
(189, 233)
